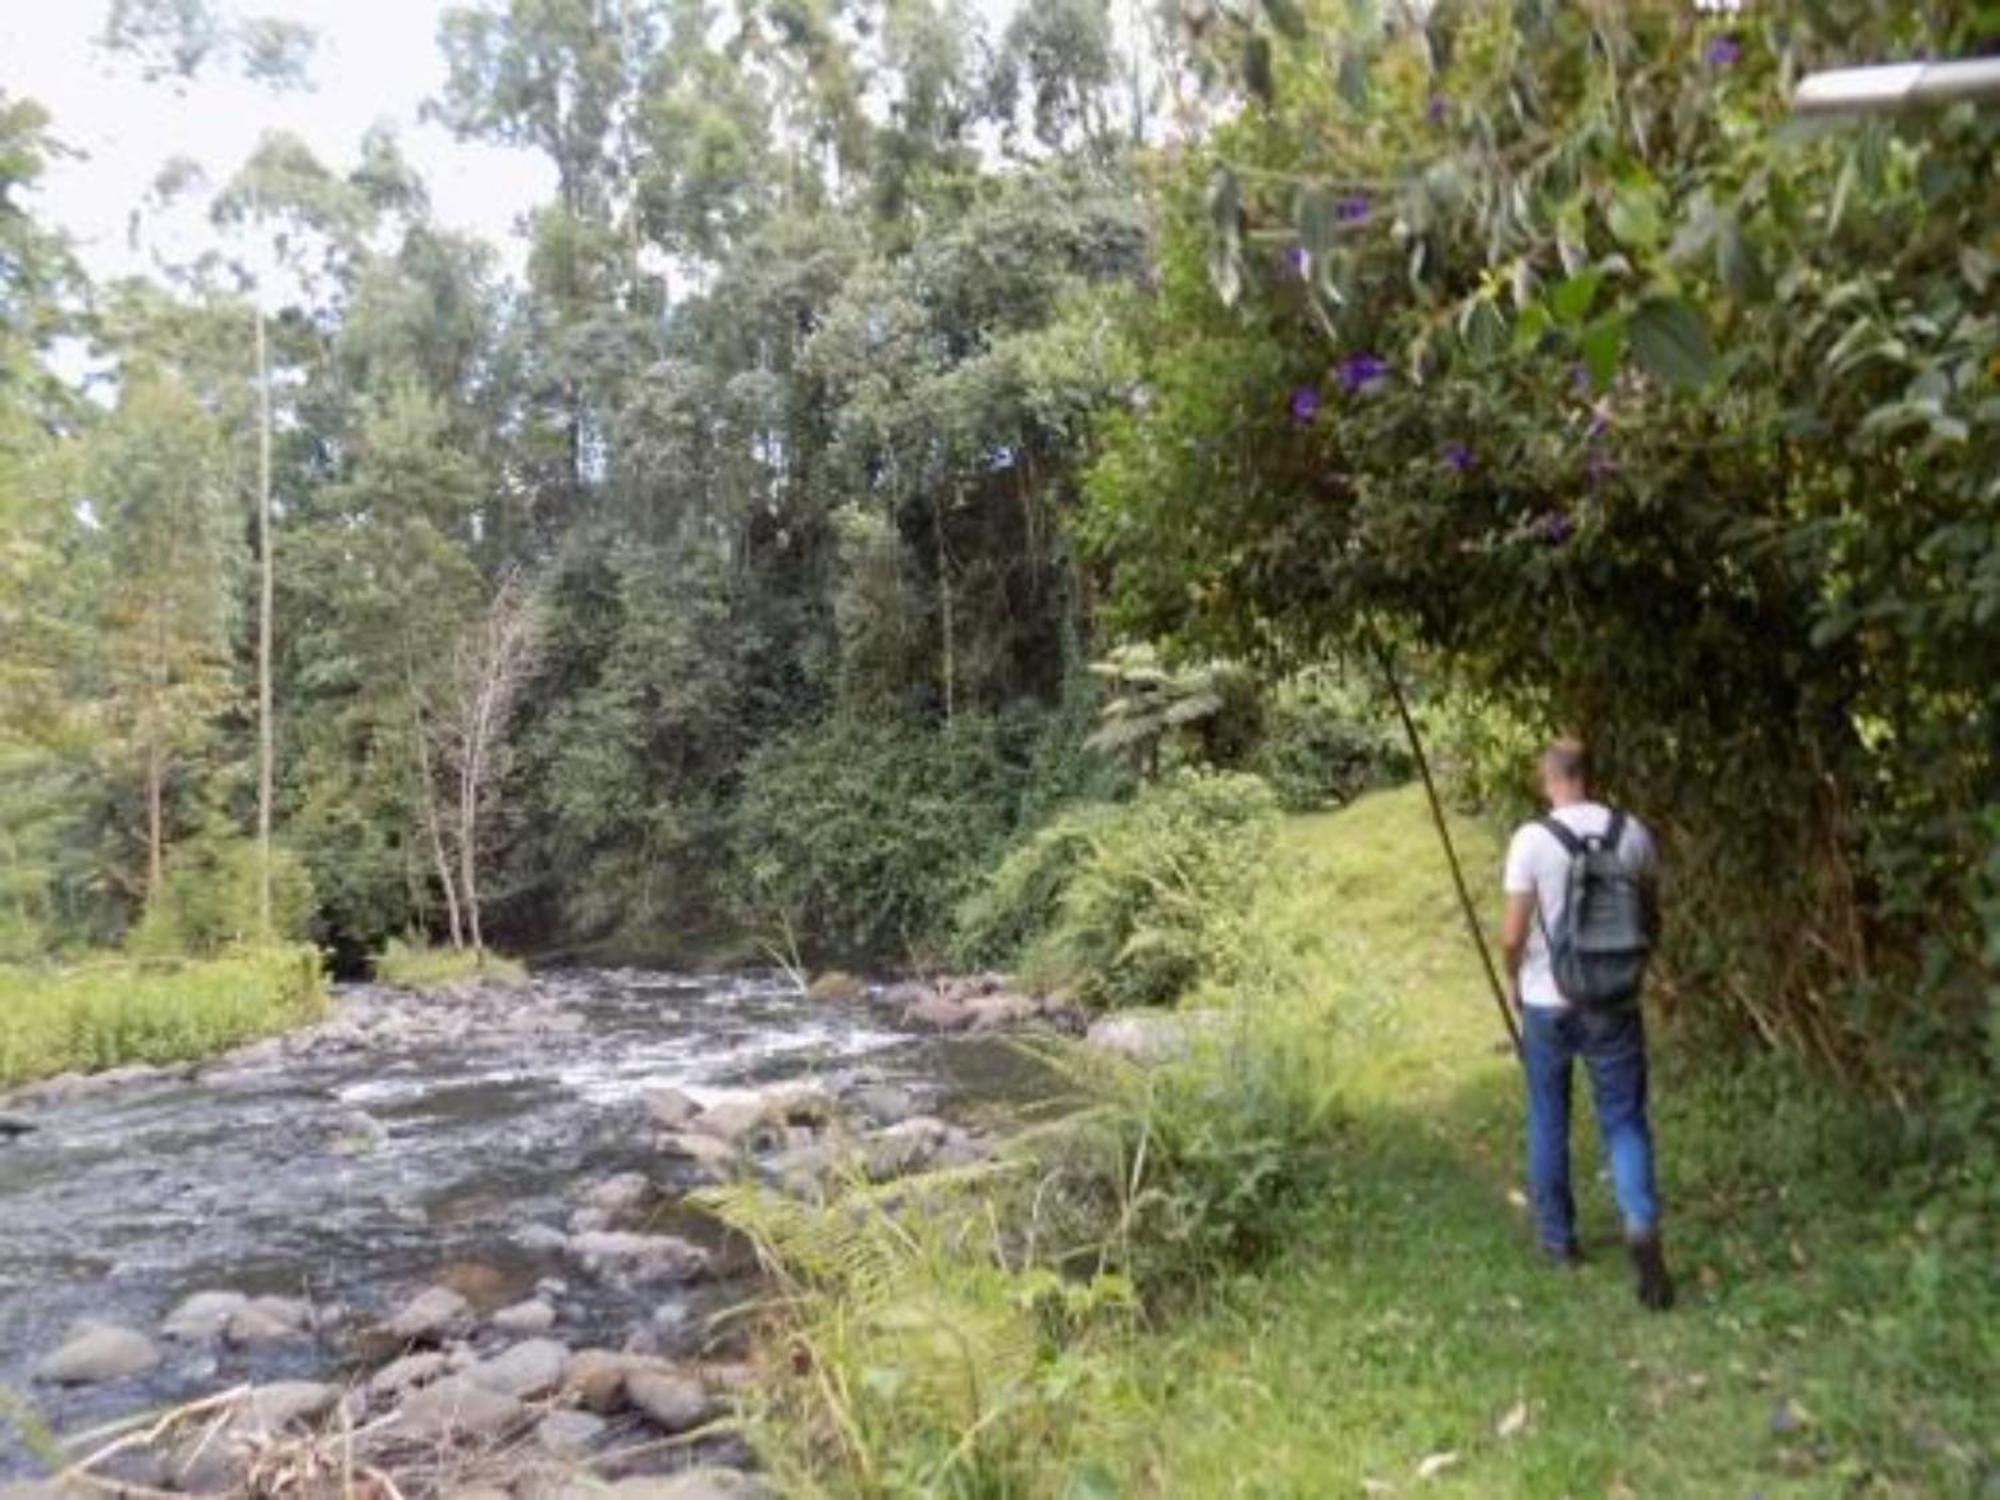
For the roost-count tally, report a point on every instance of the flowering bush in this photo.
(1640, 412)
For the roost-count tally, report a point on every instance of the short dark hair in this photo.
(1567, 760)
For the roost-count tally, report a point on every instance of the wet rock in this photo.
(569, 1434)
(430, 1314)
(408, 1372)
(270, 1409)
(735, 1121)
(671, 1108)
(885, 1104)
(837, 987)
(640, 1257)
(530, 1368)
(714, 1160)
(998, 1012)
(532, 1316)
(456, 1407)
(673, 1403)
(907, 1147)
(97, 1352)
(540, 1237)
(798, 1104)
(617, 1195)
(694, 1484)
(13, 1125)
(357, 1133)
(203, 1315)
(267, 1320)
(595, 1378)
(936, 1012)
(1146, 1036)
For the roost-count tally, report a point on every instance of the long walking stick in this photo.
(1478, 934)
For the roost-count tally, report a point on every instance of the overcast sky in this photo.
(377, 60)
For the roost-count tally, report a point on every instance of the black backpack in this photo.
(1599, 943)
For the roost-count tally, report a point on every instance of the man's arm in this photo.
(1514, 920)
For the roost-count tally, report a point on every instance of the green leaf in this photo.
(1737, 264)
(1670, 340)
(1571, 300)
(1530, 326)
(1603, 344)
(1287, 18)
(1635, 217)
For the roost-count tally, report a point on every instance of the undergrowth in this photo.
(421, 966)
(112, 1011)
(1294, 1262)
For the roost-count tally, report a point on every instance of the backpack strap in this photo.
(1564, 834)
(1614, 836)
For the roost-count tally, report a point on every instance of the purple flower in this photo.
(1434, 111)
(1352, 209)
(1359, 371)
(1722, 51)
(1305, 404)
(1457, 457)
(1600, 419)
(1554, 527)
(1296, 259)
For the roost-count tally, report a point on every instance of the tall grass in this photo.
(114, 1011)
(419, 966)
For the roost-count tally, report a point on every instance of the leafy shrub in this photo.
(416, 965)
(860, 838)
(117, 1011)
(209, 900)
(1325, 742)
(1125, 904)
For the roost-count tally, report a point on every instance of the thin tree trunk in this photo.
(266, 740)
(1466, 907)
(468, 845)
(427, 790)
(949, 663)
(156, 839)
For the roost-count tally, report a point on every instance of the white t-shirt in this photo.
(1538, 863)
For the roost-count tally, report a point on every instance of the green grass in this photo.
(419, 966)
(113, 1011)
(1839, 1331)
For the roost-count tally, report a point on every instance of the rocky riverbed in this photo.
(442, 1237)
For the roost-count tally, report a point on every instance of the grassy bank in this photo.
(419, 966)
(112, 1011)
(1383, 1328)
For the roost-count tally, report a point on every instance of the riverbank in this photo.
(1379, 1324)
(115, 1011)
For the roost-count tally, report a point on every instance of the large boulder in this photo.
(739, 1122)
(673, 1403)
(619, 1194)
(1148, 1036)
(671, 1108)
(431, 1314)
(203, 1315)
(97, 1352)
(532, 1316)
(713, 1159)
(529, 1369)
(596, 1378)
(836, 986)
(454, 1409)
(410, 1371)
(938, 1012)
(268, 1320)
(269, 1409)
(640, 1258)
(1002, 1011)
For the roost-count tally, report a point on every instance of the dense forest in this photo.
(910, 425)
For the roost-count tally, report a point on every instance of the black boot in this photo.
(1655, 1287)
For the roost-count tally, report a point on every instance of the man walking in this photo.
(1584, 853)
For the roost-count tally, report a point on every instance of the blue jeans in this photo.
(1613, 1048)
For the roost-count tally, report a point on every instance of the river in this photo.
(405, 1142)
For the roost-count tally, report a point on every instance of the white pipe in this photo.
(1847, 91)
